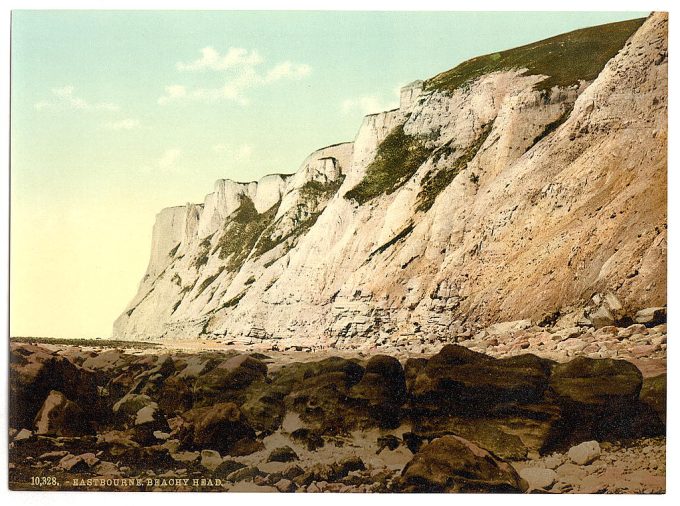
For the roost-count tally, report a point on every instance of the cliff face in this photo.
(514, 186)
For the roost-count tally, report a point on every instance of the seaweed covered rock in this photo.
(453, 464)
(228, 380)
(318, 391)
(59, 416)
(382, 390)
(458, 380)
(220, 427)
(36, 371)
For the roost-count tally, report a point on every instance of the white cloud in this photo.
(288, 70)
(169, 158)
(212, 60)
(234, 153)
(368, 104)
(123, 124)
(243, 71)
(65, 97)
(172, 92)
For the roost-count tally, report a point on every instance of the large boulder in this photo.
(599, 399)
(498, 404)
(382, 390)
(36, 371)
(596, 383)
(229, 380)
(318, 391)
(59, 416)
(651, 316)
(453, 464)
(460, 381)
(220, 427)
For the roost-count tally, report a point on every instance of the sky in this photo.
(118, 114)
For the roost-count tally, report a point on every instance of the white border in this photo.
(74, 498)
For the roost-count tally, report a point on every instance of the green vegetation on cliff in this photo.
(435, 181)
(398, 157)
(565, 59)
(315, 195)
(241, 232)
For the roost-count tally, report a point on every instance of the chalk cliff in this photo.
(527, 184)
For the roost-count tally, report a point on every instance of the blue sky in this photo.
(116, 114)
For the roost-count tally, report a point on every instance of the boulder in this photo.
(584, 453)
(117, 442)
(538, 478)
(596, 383)
(228, 380)
(285, 485)
(36, 371)
(53, 455)
(608, 311)
(283, 454)
(226, 467)
(319, 391)
(243, 474)
(651, 316)
(453, 464)
(23, 435)
(382, 390)
(345, 466)
(461, 381)
(72, 463)
(130, 404)
(210, 459)
(497, 403)
(59, 416)
(598, 399)
(219, 427)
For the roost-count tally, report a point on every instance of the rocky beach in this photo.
(584, 412)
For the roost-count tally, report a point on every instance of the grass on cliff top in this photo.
(398, 157)
(566, 58)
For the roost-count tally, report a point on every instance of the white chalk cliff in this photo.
(497, 195)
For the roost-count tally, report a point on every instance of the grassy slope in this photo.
(565, 58)
(397, 159)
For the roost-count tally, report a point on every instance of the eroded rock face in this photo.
(453, 464)
(557, 194)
